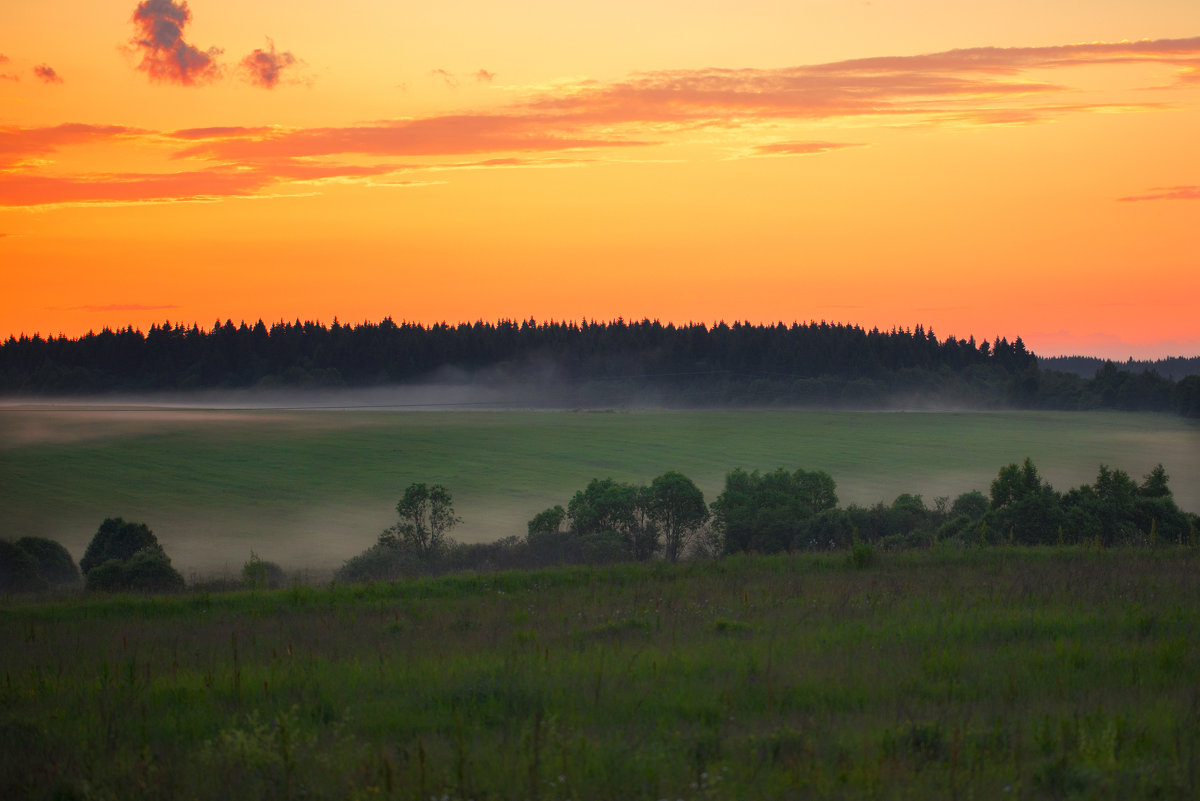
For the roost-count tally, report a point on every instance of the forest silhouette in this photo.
(617, 362)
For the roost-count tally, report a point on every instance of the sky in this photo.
(980, 168)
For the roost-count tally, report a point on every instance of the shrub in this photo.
(258, 573)
(18, 569)
(150, 570)
(54, 562)
(116, 539)
(862, 556)
(386, 560)
(127, 556)
(106, 577)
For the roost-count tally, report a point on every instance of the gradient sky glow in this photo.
(1019, 168)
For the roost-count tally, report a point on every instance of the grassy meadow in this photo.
(978, 673)
(308, 489)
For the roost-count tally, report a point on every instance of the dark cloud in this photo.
(264, 67)
(47, 74)
(166, 57)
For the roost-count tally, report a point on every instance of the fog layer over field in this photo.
(310, 479)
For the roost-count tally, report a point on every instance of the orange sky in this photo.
(1020, 168)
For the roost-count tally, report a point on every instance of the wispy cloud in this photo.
(1167, 193)
(801, 148)
(483, 76)
(447, 77)
(264, 68)
(433, 136)
(981, 86)
(19, 144)
(166, 57)
(109, 307)
(47, 74)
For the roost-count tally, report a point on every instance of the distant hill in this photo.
(1174, 368)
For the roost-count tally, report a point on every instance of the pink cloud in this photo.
(801, 148)
(47, 74)
(25, 189)
(1167, 193)
(448, 135)
(264, 67)
(977, 86)
(166, 57)
(483, 76)
(18, 144)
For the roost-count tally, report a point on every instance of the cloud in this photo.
(264, 67)
(123, 307)
(19, 144)
(447, 78)
(166, 57)
(5, 76)
(1167, 193)
(431, 136)
(22, 189)
(981, 86)
(47, 74)
(801, 148)
(483, 76)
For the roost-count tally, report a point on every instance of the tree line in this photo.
(780, 511)
(668, 519)
(815, 364)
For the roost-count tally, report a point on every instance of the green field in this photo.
(308, 489)
(943, 673)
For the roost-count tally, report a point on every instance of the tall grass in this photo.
(1039, 673)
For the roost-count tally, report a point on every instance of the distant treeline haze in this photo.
(613, 362)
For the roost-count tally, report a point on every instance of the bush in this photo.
(150, 570)
(862, 556)
(18, 569)
(127, 556)
(116, 539)
(258, 573)
(106, 577)
(54, 562)
(383, 561)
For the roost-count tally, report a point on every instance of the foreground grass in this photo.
(956, 674)
(312, 489)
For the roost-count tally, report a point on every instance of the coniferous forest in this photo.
(814, 364)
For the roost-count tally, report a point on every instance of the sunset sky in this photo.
(981, 168)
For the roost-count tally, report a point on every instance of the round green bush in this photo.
(116, 539)
(18, 569)
(54, 562)
(150, 570)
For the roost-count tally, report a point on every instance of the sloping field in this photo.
(310, 488)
